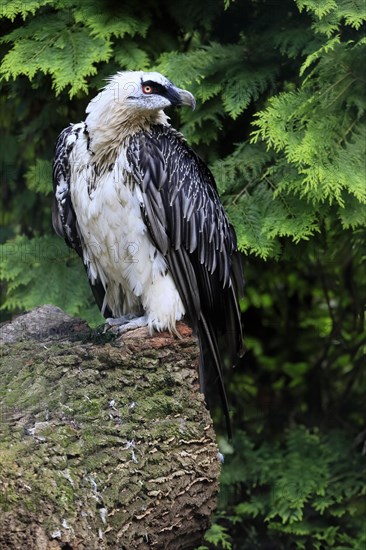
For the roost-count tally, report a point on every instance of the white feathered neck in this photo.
(110, 119)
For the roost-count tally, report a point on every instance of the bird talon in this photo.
(125, 323)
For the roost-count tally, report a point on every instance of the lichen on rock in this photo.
(103, 443)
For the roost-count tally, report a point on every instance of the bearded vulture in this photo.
(142, 211)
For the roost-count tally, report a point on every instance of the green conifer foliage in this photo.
(280, 119)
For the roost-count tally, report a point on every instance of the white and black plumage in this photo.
(142, 211)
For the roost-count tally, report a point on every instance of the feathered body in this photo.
(142, 211)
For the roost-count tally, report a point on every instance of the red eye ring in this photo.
(147, 89)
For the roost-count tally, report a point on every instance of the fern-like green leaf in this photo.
(39, 177)
(353, 214)
(130, 57)
(105, 24)
(11, 8)
(320, 8)
(317, 54)
(245, 87)
(57, 47)
(218, 536)
(26, 262)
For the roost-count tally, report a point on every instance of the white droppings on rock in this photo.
(103, 515)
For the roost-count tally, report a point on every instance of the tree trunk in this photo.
(105, 443)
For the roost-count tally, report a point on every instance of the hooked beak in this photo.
(178, 97)
(186, 98)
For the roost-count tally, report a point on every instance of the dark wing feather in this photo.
(63, 215)
(187, 223)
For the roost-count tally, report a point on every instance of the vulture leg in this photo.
(126, 322)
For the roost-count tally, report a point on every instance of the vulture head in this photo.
(150, 91)
(139, 91)
(131, 101)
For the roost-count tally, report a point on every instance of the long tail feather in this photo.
(210, 354)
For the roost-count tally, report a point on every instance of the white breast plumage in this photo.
(117, 249)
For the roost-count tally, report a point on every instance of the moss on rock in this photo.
(104, 445)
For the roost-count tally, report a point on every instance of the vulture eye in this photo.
(147, 89)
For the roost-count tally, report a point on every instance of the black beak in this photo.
(180, 97)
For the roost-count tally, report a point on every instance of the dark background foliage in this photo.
(281, 121)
